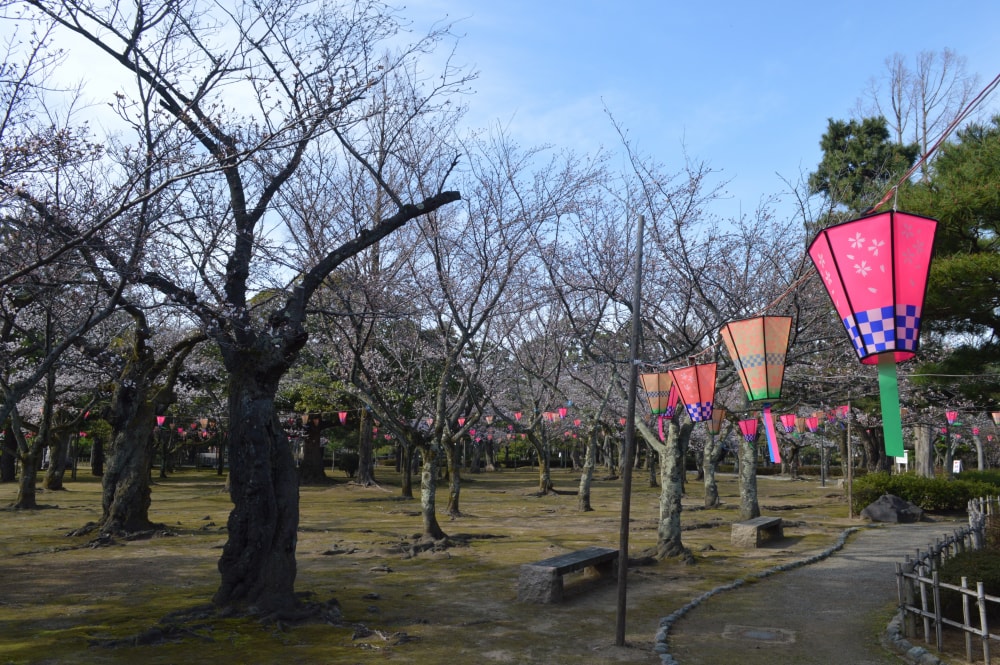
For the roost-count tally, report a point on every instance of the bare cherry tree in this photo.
(241, 94)
(919, 99)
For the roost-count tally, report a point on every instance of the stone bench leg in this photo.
(539, 584)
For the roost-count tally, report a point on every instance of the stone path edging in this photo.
(892, 638)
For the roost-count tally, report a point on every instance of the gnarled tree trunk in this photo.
(454, 480)
(58, 451)
(587, 477)
(258, 561)
(749, 508)
(126, 495)
(428, 493)
(710, 459)
(366, 452)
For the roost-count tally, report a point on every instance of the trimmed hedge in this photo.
(932, 494)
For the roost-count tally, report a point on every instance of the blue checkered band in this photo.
(776, 358)
(699, 412)
(752, 360)
(878, 330)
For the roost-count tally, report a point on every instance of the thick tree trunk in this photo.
(126, 496)
(428, 494)
(980, 453)
(749, 508)
(97, 457)
(587, 477)
(454, 481)
(544, 470)
(258, 561)
(873, 444)
(671, 454)
(652, 455)
(27, 497)
(8, 458)
(406, 469)
(490, 451)
(125, 487)
(58, 450)
(366, 454)
(791, 458)
(311, 471)
(710, 459)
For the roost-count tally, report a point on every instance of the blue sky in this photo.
(746, 87)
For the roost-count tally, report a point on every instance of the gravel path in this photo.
(829, 612)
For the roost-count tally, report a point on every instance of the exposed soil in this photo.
(69, 598)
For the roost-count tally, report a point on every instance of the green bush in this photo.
(990, 477)
(931, 494)
(981, 566)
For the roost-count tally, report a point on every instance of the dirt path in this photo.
(832, 611)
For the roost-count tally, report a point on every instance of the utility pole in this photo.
(629, 452)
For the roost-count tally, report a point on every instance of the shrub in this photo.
(931, 494)
(979, 566)
(990, 477)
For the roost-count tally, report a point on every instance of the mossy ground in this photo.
(60, 598)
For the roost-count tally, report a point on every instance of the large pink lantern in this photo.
(696, 385)
(875, 270)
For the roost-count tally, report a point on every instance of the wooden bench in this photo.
(748, 533)
(542, 581)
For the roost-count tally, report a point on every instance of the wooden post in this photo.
(936, 591)
(923, 603)
(983, 622)
(966, 619)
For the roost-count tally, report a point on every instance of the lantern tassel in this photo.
(888, 387)
(659, 425)
(772, 438)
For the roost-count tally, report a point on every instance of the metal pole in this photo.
(629, 451)
(850, 466)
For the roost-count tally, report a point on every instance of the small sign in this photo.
(956, 466)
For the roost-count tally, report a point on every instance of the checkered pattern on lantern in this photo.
(750, 438)
(752, 360)
(699, 411)
(776, 358)
(907, 326)
(877, 330)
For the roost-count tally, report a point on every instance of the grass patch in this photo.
(61, 597)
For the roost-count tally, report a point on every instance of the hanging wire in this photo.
(959, 119)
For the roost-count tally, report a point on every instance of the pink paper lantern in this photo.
(875, 270)
(788, 422)
(951, 416)
(749, 429)
(342, 416)
(812, 422)
(696, 384)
